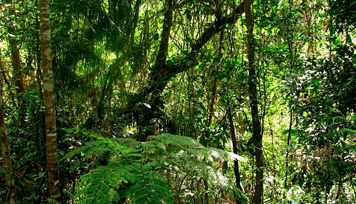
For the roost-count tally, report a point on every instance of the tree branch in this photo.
(167, 25)
(162, 72)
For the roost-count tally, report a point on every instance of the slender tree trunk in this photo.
(287, 152)
(213, 94)
(234, 148)
(292, 62)
(4, 143)
(5, 75)
(16, 64)
(256, 124)
(41, 129)
(50, 115)
(15, 53)
(212, 102)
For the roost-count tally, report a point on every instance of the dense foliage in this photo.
(205, 101)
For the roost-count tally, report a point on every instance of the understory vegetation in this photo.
(177, 101)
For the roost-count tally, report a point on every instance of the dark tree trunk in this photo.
(234, 149)
(256, 124)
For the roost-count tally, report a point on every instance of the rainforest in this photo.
(177, 101)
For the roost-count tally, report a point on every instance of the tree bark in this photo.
(5, 150)
(16, 64)
(15, 53)
(256, 124)
(166, 31)
(286, 185)
(50, 115)
(234, 148)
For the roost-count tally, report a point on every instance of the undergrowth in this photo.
(167, 169)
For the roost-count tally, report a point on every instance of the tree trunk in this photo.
(4, 143)
(16, 64)
(215, 85)
(40, 127)
(50, 115)
(161, 73)
(256, 124)
(286, 185)
(15, 53)
(234, 148)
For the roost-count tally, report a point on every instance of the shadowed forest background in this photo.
(177, 101)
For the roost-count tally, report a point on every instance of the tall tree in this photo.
(16, 62)
(50, 115)
(256, 124)
(4, 143)
(15, 51)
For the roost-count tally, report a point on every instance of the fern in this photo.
(102, 185)
(149, 186)
(349, 131)
(195, 148)
(99, 185)
(135, 170)
(101, 148)
(339, 118)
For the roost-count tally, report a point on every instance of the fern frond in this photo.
(196, 149)
(339, 118)
(348, 130)
(150, 187)
(99, 185)
(102, 148)
(135, 169)
(176, 140)
(224, 155)
(88, 151)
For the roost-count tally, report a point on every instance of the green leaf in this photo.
(161, 146)
(293, 132)
(282, 3)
